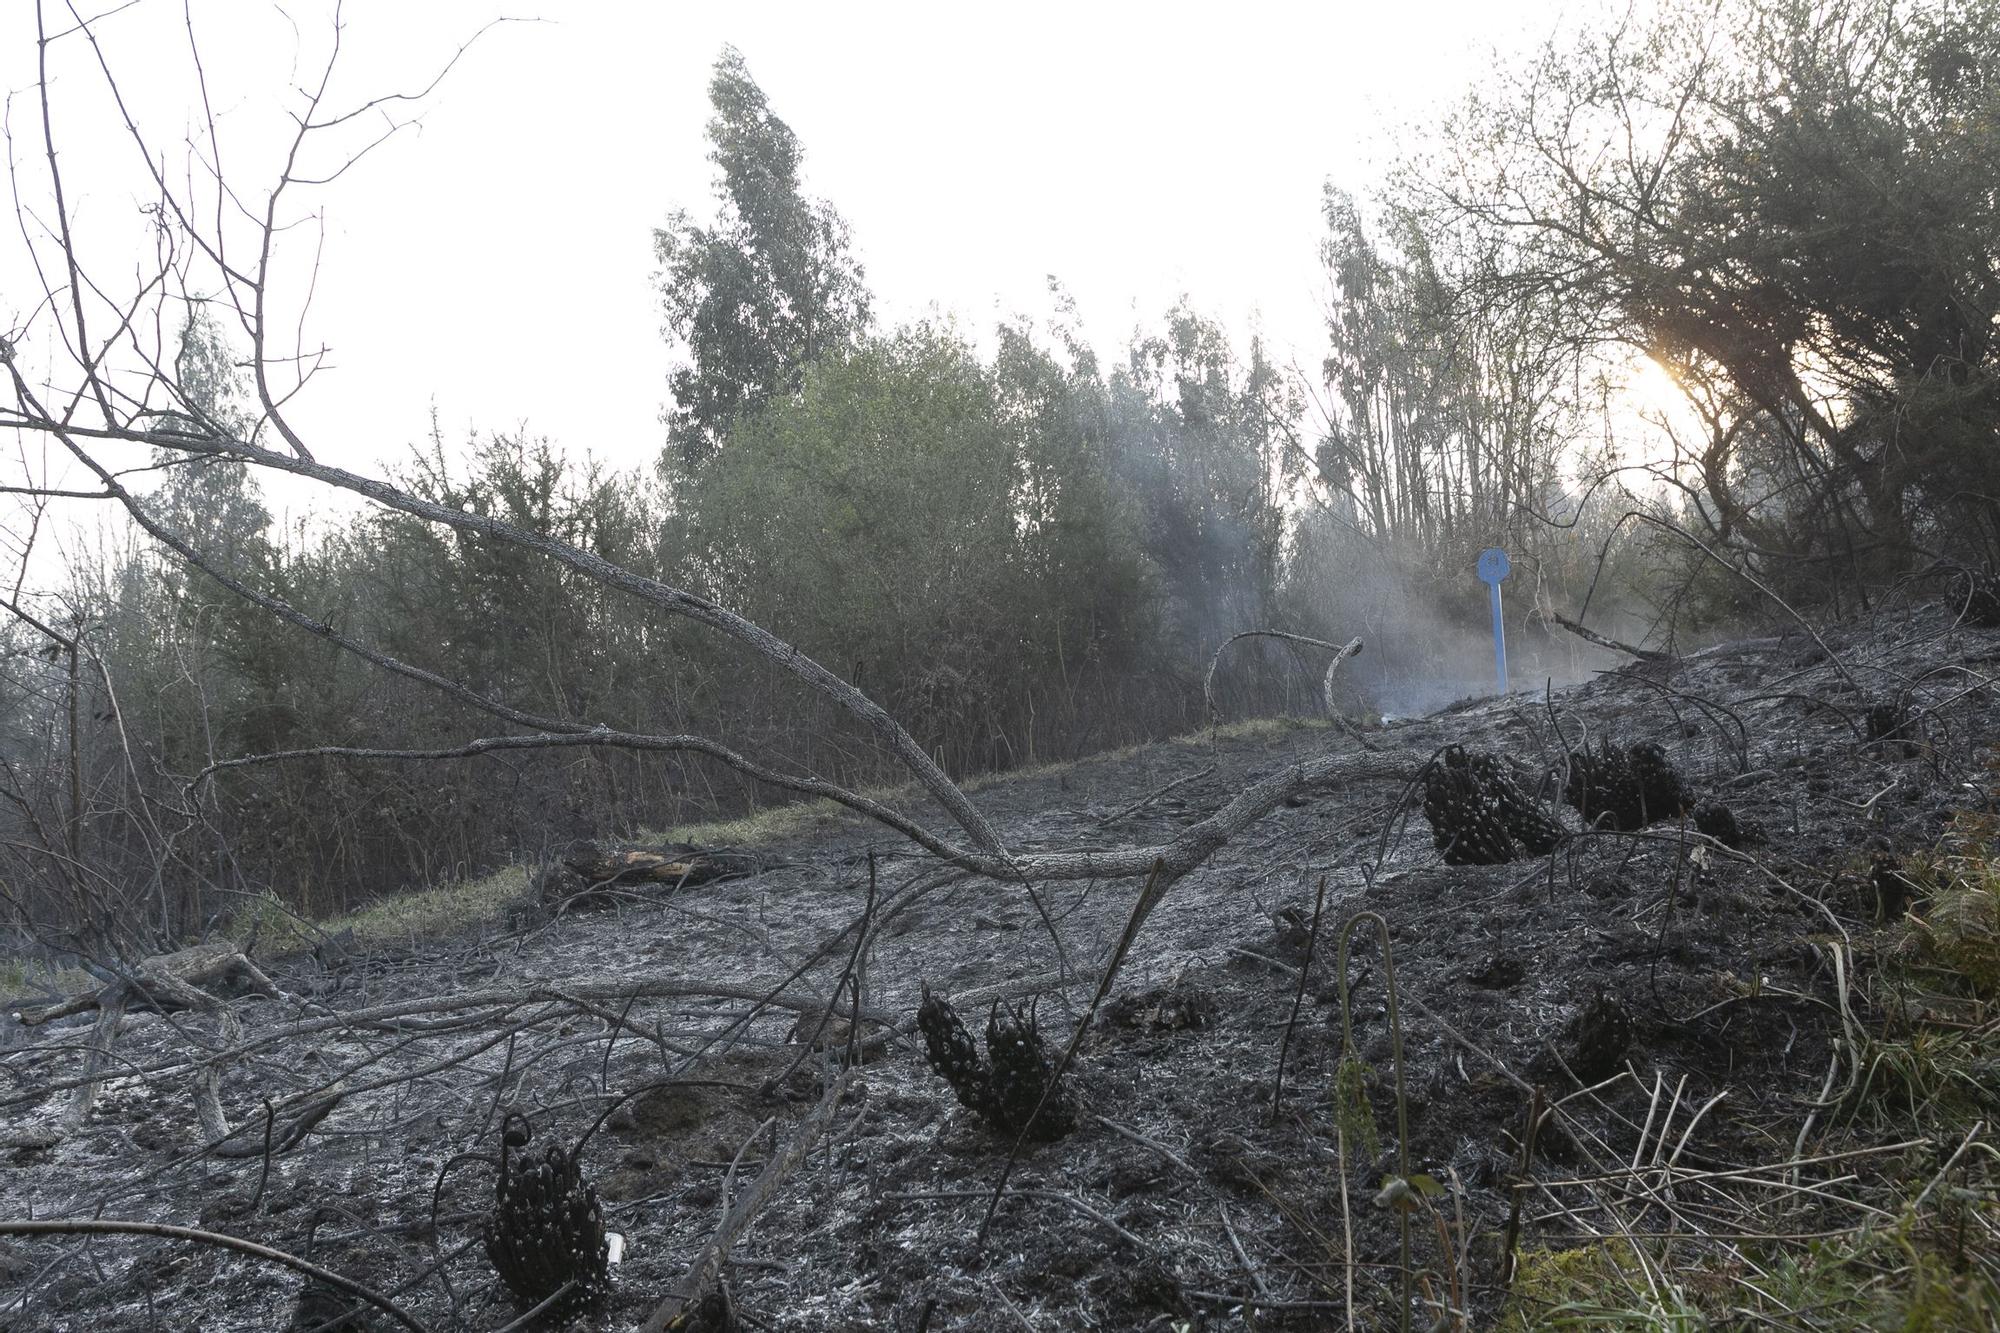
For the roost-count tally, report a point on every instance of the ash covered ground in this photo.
(1181, 1199)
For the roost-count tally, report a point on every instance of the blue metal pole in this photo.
(1499, 639)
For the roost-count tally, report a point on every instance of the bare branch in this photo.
(98, 1226)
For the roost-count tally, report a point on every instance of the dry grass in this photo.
(31, 976)
(268, 928)
(1890, 1219)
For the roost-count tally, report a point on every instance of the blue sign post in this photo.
(1493, 567)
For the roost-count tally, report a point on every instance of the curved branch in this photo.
(1341, 652)
(98, 1226)
(1589, 635)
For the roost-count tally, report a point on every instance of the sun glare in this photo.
(1652, 391)
(1649, 404)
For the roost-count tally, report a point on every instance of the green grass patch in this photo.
(1958, 931)
(439, 910)
(775, 823)
(1607, 1285)
(1902, 1277)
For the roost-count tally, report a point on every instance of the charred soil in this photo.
(1679, 1000)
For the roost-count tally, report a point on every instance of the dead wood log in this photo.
(164, 983)
(1592, 636)
(168, 983)
(677, 863)
(588, 871)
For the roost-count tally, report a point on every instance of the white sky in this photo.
(499, 263)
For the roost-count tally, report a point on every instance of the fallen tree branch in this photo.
(497, 998)
(1155, 794)
(1198, 841)
(616, 740)
(1176, 857)
(165, 983)
(294, 1133)
(1592, 636)
(592, 566)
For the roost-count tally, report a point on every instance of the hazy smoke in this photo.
(1428, 633)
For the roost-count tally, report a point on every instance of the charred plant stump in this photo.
(1719, 822)
(1022, 1073)
(1597, 1038)
(1526, 818)
(1466, 823)
(545, 1235)
(954, 1056)
(1625, 789)
(1893, 726)
(1006, 1092)
(1478, 811)
(1663, 793)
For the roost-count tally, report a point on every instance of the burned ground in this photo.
(1701, 989)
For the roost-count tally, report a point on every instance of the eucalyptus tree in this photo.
(765, 289)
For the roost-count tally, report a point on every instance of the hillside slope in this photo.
(1710, 1003)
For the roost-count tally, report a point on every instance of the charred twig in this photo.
(1155, 795)
(1127, 1132)
(1592, 636)
(309, 1115)
(1298, 999)
(852, 973)
(1519, 1188)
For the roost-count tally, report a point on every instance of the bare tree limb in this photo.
(1592, 636)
